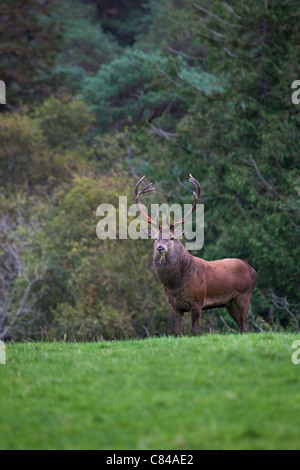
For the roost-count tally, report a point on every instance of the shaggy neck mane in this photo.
(171, 268)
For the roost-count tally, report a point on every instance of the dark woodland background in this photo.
(101, 92)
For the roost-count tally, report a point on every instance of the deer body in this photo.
(194, 284)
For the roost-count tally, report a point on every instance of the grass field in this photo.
(206, 392)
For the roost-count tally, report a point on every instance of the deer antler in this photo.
(196, 196)
(145, 190)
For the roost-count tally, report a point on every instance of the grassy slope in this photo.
(162, 393)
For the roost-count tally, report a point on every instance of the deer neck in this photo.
(171, 268)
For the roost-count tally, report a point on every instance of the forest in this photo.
(102, 92)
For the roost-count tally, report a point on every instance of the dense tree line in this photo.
(99, 93)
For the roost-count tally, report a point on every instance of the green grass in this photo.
(208, 392)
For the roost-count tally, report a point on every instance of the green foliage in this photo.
(84, 44)
(172, 27)
(26, 160)
(139, 84)
(69, 78)
(128, 87)
(124, 19)
(65, 123)
(21, 141)
(30, 39)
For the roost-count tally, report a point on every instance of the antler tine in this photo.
(168, 220)
(195, 183)
(196, 196)
(137, 185)
(146, 189)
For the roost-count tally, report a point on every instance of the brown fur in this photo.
(193, 284)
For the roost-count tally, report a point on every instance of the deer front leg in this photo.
(196, 312)
(177, 322)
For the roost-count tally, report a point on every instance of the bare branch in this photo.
(229, 53)
(17, 305)
(263, 179)
(221, 36)
(230, 329)
(168, 77)
(253, 321)
(161, 132)
(210, 13)
(231, 10)
(187, 56)
(282, 303)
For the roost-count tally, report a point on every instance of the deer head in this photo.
(166, 238)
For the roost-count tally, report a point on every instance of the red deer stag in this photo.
(191, 283)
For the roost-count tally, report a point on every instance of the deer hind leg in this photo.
(196, 312)
(238, 309)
